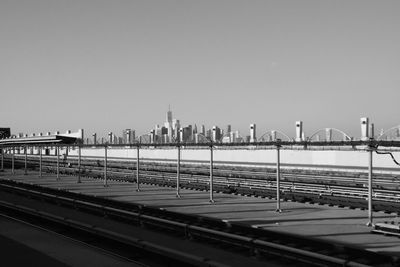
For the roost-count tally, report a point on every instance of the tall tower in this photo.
(253, 137)
(169, 115)
(364, 128)
(299, 131)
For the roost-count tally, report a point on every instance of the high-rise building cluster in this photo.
(171, 132)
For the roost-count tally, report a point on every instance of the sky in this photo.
(110, 65)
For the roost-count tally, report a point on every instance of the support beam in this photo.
(278, 179)
(211, 174)
(26, 161)
(40, 161)
(58, 162)
(105, 166)
(137, 168)
(370, 218)
(79, 164)
(2, 158)
(12, 161)
(178, 172)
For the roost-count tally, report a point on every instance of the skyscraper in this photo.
(253, 137)
(228, 129)
(169, 115)
(203, 130)
(216, 133)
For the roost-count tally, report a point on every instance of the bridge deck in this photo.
(340, 225)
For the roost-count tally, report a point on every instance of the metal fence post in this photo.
(79, 163)
(26, 161)
(137, 168)
(40, 161)
(105, 166)
(12, 161)
(2, 158)
(211, 174)
(178, 172)
(58, 161)
(278, 177)
(370, 150)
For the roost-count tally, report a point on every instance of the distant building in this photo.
(209, 134)
(126, 136)
(203, 130)
(94, 139)
(253, 137)
(216, 133)
(228, 129)
(110, 138)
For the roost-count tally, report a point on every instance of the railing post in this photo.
(105, 166)
(2, 158)
(26, 161)
(278, 178)
(12, 161)
(370, 218)
(178, 172)
(58, 161)
(40, 161)
(211, 174)
(79, 163)
(137, 167)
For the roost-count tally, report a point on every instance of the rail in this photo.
(258, 240)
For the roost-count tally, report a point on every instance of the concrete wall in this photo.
(343, 160)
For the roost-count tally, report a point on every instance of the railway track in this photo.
(327, 187)
(266, 245)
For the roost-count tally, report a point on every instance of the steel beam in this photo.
(278, 179)
(105, 166)
(2, 158)
(79, 164)
(137, 168)
(211, 174)
(58, 161)
(370, 217)
(40, 161)
(26, 161)
(178, 172)
(12, 161)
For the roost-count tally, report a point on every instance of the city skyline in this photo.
(106, 66)
(173, 131)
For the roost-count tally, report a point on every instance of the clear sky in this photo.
(109, 65)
